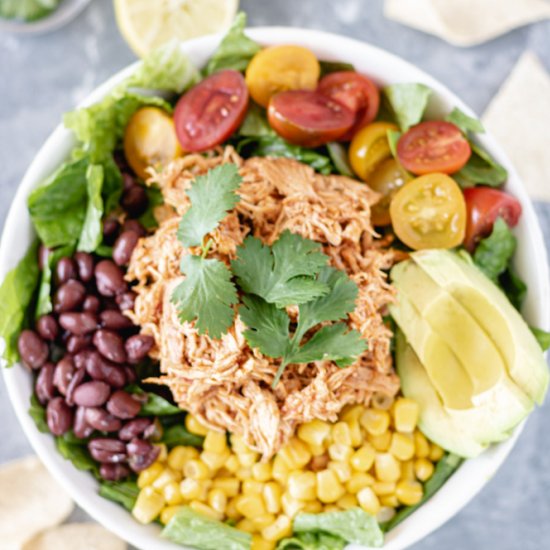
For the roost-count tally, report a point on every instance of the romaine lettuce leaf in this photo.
(407, 101)
(312, 541)
(465, 122)
(91, 233)
(123, 492)
(543, 337)
(481, 169)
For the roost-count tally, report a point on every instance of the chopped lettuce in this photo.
(38, 413)
(235, 50)
(543, 337)
(393, 138)
(339, 157)
(122, 492)
(91, 233)
(328, 67)
(464, 122)
(255, 123)
(481, 169)
(493, 254)
(177, 434)
(74, 449)
(155, 405)
(16, 294)
(154, 199)
(192, 529)
(407, 101)
(312, 541)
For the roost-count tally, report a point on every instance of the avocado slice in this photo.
(488, 305)
(433, 420)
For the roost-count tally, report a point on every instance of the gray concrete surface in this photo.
(42, 77)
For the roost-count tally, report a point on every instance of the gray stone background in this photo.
(42, 77)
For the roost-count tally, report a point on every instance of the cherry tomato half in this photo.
(484, 205)
(281, 68)
(369, 148)
(308, 118)
(150, 140)
(429, 212)
(211, 111)
(358, 93)
(433, 146)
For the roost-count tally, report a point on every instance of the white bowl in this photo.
(530, 261)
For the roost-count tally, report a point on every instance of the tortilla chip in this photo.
(30, 501)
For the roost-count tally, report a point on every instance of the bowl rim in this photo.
(471, 476)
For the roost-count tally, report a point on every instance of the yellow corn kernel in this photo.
(363, 458)
(341, 469)
(263, 521)
(231, 511)
(202, 508)
(358, 481)
(280, 470)
(436, 452)
(279, 529)
(248, 459)
(217, 500)
(382, 401)
(389, 500)
(147, 476)
(168, 513)
(251, 486)
(229, 485)
(351, 413)
(331, 508)
(423, 469)
(340, 452)
(163, 454)
(194, 426)
(347, 501)
(312, 507)
(259, 543)
(172, 494)
(368, 501)
(385, 514)
(232, 464)
(316, 450)
(215, 442)
(302, 485)
(243, 474)
(382, 488)
(272, 493)
(213, 460)
(291, 506)
(179, 455)
(421, 445)
(386, 467)
(238, 445)
(195, 469)
(355, 433)
(247, 525)
(148, 506)
(250, 506)
(315, 432)
(402, 446)
(380, 442)
(407, 470)
(340, 434)
(375, 421)
(295, 454)
(261, 471)
(409, 493)
(190, 489)
(405, 415)
(329, 489)
(167, 476)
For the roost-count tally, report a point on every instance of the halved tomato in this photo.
(433, 146)
(429, 212)
(484, 206)
(211, 111)
(357, 92)
(307, 118)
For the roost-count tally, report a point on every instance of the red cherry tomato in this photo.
(308, 118)
(433, 146)
(211, 111)
(484, 205)
(358, 93)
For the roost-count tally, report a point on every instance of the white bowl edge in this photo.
(530, 260)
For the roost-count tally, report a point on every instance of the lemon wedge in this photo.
(146, 24)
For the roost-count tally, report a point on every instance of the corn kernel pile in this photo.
(373, 458)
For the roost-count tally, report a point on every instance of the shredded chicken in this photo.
(224, 382)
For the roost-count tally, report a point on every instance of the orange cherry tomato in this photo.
(433, 146)
(281, 68)
(429, 212)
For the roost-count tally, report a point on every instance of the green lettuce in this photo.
(312, 541)
(407, 101)
(122, 492)
(76, 451)
(465, 122)
(328, 67)
(91, 233)
(339, 157)
(494, 253)
(543, 337)
(38, 413)
(481, 169)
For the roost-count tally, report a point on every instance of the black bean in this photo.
(64, 371)
(43, 253)
(110, 345)
(91, 303)
(109, 278)
(101, 420)
(85, 265)
(65, 270)
(154, 431)
(32, 349)
(80, 359)
(47, 327)
(108, 450)
(114, 320)
(91, 394)
(69, 296)
(126, 300)
(124, 246)
(76, 380)
(78, 323)
(123, 405)
(59, 416)
(128, 181)
(141, 454)
(110, 230)
(101, 369)
(138, 346)
(134, 200)
(131, 375)
(134, 225)
(134, 428)
(44, 386)
(81, 428)
(113, 472)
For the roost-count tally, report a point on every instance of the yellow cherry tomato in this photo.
(369, 147)
(386, 179)
(281, 68)
(150, 140)
(429, 212)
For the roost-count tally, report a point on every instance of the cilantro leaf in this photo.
(464, 122)
(206, 295)
(283, 274)
(211, 195)
(494, 253)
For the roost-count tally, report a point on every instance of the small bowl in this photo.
(530, 262)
